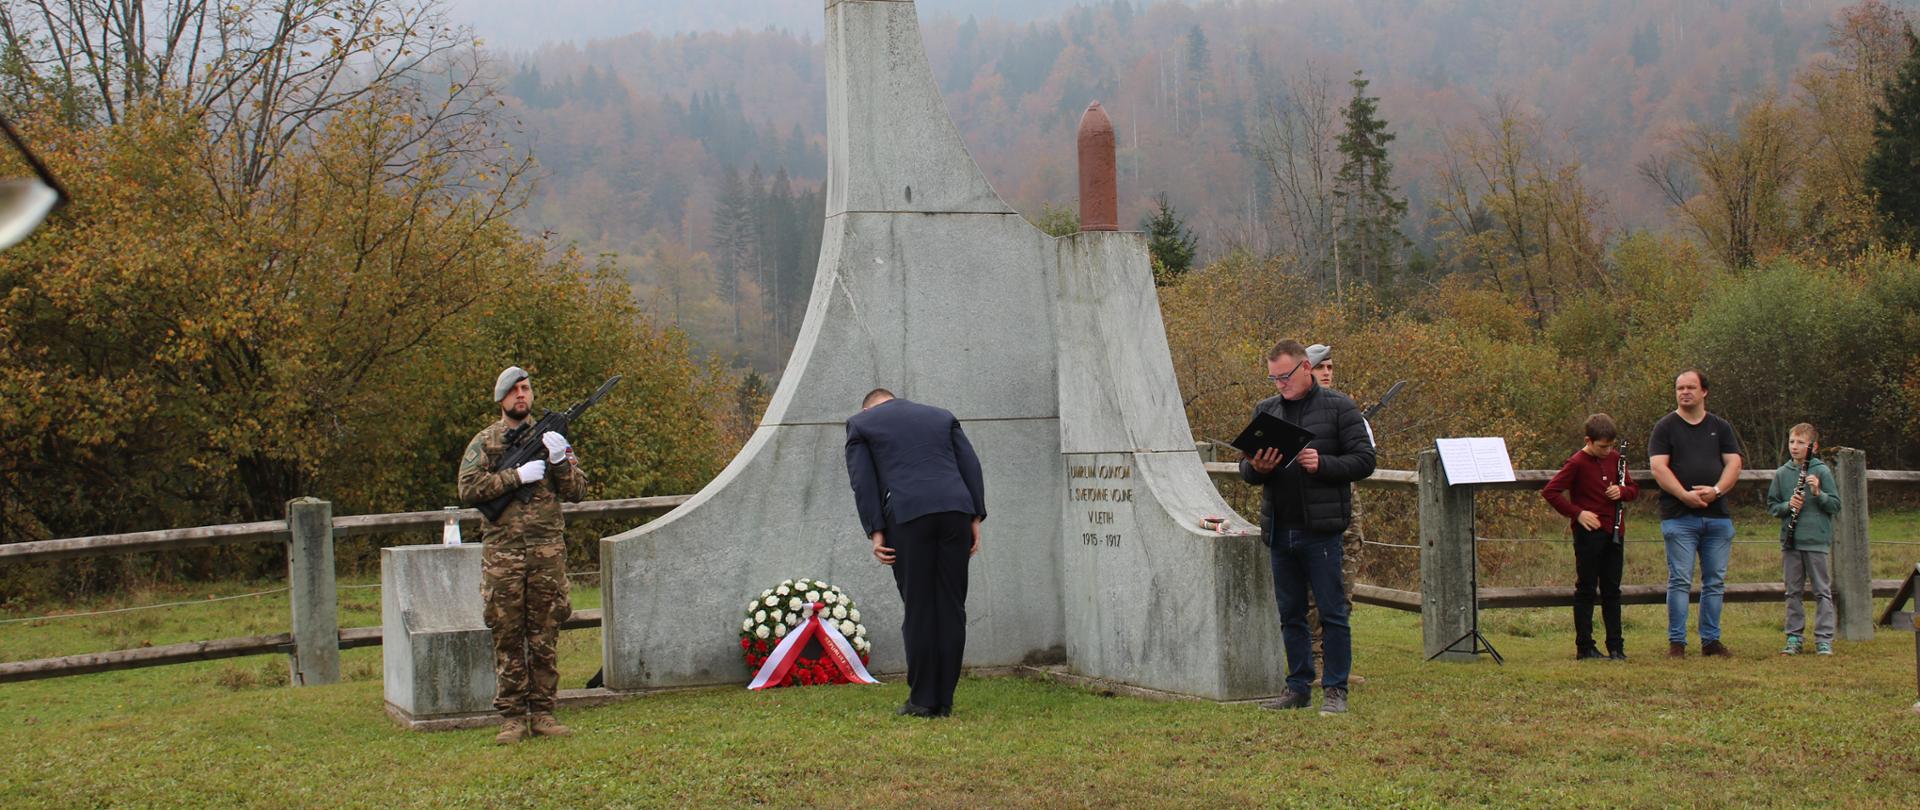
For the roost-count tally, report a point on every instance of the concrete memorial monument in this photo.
(1052, 354)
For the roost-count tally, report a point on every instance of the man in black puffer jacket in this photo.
(1307, 502)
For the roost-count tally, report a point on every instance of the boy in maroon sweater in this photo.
(1589, 489)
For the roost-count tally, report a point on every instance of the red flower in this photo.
(744, 644)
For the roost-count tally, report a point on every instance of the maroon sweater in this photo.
(1581, 484)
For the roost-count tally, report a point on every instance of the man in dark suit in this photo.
(917, 485)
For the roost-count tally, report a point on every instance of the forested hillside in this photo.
(637, 133)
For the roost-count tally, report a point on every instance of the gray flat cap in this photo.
(1316, 354)
(505, 382)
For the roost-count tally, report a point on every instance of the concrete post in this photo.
(1446, 562)
(316, 609)
(1852, 571)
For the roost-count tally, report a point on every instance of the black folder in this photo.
(1267, 430)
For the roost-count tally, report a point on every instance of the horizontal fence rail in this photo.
(1562, 595)
(186, 652)
(343, 526)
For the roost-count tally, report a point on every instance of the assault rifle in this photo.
(524, 445)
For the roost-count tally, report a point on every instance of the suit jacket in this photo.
(906, 460)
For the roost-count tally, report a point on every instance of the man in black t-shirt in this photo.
(1696, 460)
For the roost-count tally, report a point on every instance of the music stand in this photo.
(1480, 643)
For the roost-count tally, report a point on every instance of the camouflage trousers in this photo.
(1350, 542)
(525, 592)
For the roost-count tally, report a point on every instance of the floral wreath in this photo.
(790, 607)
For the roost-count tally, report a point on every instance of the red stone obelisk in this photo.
(1099, 181)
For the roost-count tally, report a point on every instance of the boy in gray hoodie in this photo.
(1803, 497)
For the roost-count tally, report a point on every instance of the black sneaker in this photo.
(1617, 654)
(1588, 653)
(1289, 699)
(1335, 703)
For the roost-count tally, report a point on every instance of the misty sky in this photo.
(525, 24)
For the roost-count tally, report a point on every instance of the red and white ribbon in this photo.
(786, 655)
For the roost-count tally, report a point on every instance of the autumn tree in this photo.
(1295, 143)
(1515, 214)
(1732, 186)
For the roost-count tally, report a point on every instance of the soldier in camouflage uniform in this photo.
(524, 566)
(1320, 355)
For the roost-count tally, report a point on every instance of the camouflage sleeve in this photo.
(569, 481)
(476, 484)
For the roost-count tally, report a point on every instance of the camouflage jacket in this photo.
(537, 521)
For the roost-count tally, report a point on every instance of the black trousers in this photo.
(1597, 562)
(930, 569)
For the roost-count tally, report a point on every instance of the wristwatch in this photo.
(1716, 491)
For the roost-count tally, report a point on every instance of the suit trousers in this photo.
(930, 569)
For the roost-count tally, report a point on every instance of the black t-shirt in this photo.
(1693, 453)
(1290, 509)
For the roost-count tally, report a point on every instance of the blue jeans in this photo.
(1304, 561)
(1710, 539)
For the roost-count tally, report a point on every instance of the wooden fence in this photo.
(1445, 600)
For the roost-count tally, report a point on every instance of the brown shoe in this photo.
(545, 726)
(1714, 647)
(513, 730)
(1676, 649)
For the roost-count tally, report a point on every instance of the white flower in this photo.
(759, 615)
(781, 591)
(802, 585)
(760, 632)
(839, 612)
(833, 599)
(746, 625)
(779, 631)
(846, 628)
(861, 644)
(794, 603)
(854, 615)
(813, 596)
(786, 582)
(793, 618)
(860, 629)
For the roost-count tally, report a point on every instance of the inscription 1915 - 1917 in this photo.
(1098, 491)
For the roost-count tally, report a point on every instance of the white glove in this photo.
(557, 447)
(532, 471)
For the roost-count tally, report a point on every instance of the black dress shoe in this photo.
(1617, 654)
(910, 710)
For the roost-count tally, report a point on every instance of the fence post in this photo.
(1446, 561)
(316, 610)
(1852, 560)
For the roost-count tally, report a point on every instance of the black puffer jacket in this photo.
(1346, 455)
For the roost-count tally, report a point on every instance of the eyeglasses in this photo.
(1283, 378)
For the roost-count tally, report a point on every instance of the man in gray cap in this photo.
(1320, 361)
(524, 564)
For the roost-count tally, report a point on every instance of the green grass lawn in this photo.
(1758, 730)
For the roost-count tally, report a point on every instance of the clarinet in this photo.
(1620, 506)
(1799, 491)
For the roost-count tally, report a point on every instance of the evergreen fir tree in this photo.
(1368, 237)
(1170, 242)
(1893, 168)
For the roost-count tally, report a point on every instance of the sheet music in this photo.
(1475, 460)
